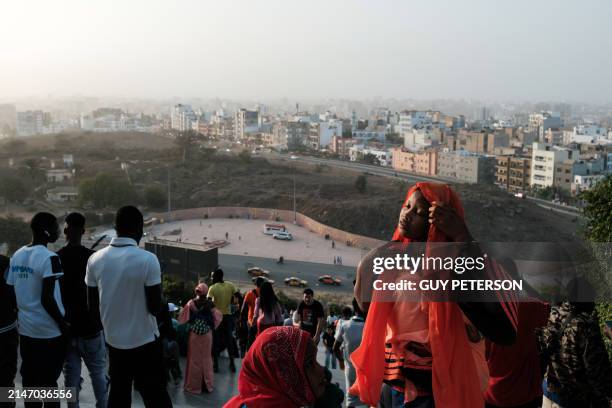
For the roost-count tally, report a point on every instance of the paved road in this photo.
(400, 175)
(235, 266)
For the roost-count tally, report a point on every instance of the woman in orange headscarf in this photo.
(431, 352)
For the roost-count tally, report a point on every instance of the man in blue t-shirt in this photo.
(33, 273)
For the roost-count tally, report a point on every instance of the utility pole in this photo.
(294, 208)
(169, 194)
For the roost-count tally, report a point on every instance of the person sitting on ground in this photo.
(203, 317)
(428, 351)
(280, 370)
(268, 311)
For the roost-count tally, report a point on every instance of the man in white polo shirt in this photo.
(124, 284)
(33, 274)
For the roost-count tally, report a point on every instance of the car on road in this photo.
(282, 235)
(265, 278)
(293, 157)
(330, 280)
(293, 281)
(256, 271)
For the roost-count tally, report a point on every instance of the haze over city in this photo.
(518, 51)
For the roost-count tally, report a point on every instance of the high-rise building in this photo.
(182, 117)
(30, 123)
(245, 121)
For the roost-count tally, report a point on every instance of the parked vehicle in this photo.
(256, 271)
(271, 229)
(285, 236)
(293, 281)
(329, 280)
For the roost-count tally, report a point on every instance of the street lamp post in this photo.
(294, 206)
(169, 194)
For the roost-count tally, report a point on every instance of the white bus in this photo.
(271, 229)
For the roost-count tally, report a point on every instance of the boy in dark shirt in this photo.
(328, 342)
(86, 340)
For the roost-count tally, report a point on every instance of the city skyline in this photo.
(519, 51)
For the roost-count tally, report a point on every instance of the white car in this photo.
(284, 235)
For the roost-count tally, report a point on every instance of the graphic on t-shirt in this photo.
(307, 316)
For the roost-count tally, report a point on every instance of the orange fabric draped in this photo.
(455, 379)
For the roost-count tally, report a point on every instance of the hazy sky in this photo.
(482, 49)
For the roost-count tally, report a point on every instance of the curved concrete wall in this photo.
(268, 214)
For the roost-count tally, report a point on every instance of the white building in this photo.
(583, 183)
(58, 175)
(366, 135)
(329, 129)
(182, 117)
(422, 137)
(68, 160)
(30, 123)
(543, 160)
(543, 121)
(62, 194)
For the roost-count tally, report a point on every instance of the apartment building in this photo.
(513, 173)
(465, 166)
(544, 158)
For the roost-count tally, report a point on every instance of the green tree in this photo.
(14, 189)
(361, 183)
(155, 197)
(14, 232)
(369, 158)
(394, 138)
(598, 211)
(106, 190)
(185, 141)
(245, 156)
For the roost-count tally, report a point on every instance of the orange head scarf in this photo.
(455, 379)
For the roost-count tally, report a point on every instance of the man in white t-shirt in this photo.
(33, 274)
(124, 284)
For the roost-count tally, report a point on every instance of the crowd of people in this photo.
(106, 309)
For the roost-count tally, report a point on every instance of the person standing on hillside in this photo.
(34, 273)
(248, 309)
(310, 315)
(9, 338)
(124, 287)
(221, 293)
(86, 341)
(268, 311)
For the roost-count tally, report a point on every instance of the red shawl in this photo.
(454, 375)
(272, 374)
